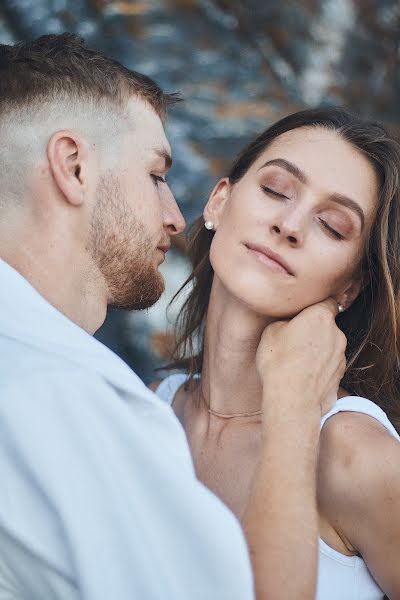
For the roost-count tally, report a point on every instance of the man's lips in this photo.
(164, 248)
(271, 257)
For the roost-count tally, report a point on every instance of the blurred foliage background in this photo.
(240, 65)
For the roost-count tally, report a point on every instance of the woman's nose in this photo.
(291, 226)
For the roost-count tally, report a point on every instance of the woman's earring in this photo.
(341, 308)
(209, 225)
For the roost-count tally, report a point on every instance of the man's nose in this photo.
(173, 219)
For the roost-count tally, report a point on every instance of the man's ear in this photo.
(352, 290)
(67, 157)
(216, 203)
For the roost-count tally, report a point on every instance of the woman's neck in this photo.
(230, 382)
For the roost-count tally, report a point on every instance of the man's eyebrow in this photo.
(166, 156)
(338, 198)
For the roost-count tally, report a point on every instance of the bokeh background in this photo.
(240, 65)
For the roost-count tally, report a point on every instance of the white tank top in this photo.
(340, 577)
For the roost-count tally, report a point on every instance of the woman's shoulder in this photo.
(359, 488)
(348, 432)
(359, 455)
(347, 407)
(355, 431)
(355, 434)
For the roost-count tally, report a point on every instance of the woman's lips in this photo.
(270, 258)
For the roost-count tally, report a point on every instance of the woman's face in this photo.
(292, 231)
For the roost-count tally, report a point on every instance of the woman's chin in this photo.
(272, 311)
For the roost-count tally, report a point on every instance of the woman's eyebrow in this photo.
(288, 166)
(301, 176)
(351, 204)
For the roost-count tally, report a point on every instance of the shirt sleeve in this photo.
(87, 483)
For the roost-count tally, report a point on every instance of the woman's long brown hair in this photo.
(372, 322)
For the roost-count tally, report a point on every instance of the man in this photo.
(99, 499)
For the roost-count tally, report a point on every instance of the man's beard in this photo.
(121, 250)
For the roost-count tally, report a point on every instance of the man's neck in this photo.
(64, 279)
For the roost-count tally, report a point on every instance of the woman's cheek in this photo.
(320, 283)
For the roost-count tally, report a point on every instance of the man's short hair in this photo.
(57, 82)
(64, 66)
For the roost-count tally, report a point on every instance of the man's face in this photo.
(135, 214)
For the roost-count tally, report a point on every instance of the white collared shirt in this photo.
(98, 496)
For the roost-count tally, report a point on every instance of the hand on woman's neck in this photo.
(230, 382)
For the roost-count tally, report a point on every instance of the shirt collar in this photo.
(27, 316)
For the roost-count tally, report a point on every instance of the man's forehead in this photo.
(148, 128)
(143, 115)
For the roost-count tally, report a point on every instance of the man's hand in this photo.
(301, 363)
(303, 359)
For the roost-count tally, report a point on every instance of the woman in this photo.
(309, 210)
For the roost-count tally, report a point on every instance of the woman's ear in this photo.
(67, 157)
(352, 291)
(214, 208)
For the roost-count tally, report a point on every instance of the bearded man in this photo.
(98, 496)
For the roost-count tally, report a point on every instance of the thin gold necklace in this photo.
(230, 415)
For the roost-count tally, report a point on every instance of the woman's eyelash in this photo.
(338, 235)
(273, 192)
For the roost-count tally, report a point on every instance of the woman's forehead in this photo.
(307, 141)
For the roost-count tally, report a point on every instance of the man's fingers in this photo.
(328, 306)
(331, 305)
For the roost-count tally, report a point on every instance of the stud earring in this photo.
(341, 308)
(209, 225)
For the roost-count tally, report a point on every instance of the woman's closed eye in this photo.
(272, 192)
(331, 230)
